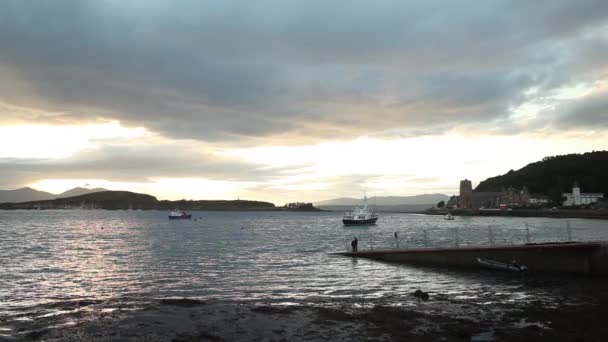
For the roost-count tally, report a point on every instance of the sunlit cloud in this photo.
(54, 142)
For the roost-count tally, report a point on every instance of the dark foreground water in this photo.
(56, 264)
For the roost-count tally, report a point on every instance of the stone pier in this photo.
(577, 258)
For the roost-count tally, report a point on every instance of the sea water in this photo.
(282, 257)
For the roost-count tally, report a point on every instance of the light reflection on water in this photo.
(49, 256)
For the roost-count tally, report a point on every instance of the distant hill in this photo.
(426, 199)
(97, 200)
(215, 205)
(122, 200)
(79, 191)
(554, 175)
(29, 194)
(24, 195)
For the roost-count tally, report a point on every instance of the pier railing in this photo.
(454, 237)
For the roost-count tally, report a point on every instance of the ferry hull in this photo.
(359, 222)
(183, 217)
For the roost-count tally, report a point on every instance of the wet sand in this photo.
(441, 318)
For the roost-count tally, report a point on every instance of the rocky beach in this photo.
(443, 317)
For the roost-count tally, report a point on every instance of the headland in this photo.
(126, 200)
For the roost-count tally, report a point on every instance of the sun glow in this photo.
(409, 166)
(56, 186)
(195, 188)
(55, 142)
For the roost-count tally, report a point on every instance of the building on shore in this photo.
(466, 194)
(538, 200)
(576, 197)
(506, 198)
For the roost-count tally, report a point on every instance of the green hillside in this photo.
(554, 175)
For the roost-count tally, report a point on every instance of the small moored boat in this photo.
(448, 217)
(512, 266)
(360, 216)
(179, 214)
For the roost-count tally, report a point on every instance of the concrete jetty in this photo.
(578, 258)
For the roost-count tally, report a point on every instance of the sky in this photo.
(288, 101)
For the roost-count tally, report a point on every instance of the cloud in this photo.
(587, 112)
(131, 161)
(204, 78)
(291, 71)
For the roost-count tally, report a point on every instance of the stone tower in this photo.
(466, 194)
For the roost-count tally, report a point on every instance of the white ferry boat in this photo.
(363, 215)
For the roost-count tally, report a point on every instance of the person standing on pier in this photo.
(353, 244)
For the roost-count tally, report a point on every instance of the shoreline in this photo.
(189, 210)
(559, 213)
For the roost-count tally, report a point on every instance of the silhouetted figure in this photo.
(353, 244)
(421, 294)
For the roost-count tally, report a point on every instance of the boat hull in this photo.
(183, 217)
(501, 266)
(348, 222)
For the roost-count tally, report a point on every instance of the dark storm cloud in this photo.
(235, 71)
(589, 112)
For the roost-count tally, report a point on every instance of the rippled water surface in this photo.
(49, 256)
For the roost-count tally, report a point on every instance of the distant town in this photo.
(513, 197)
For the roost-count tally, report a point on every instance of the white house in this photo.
(538, 200)
(578, 198)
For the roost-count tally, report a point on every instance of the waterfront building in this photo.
(538, 200)
(486, 199)
(510, 197)
(576, 197)
(513, 197)
(466, 194)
